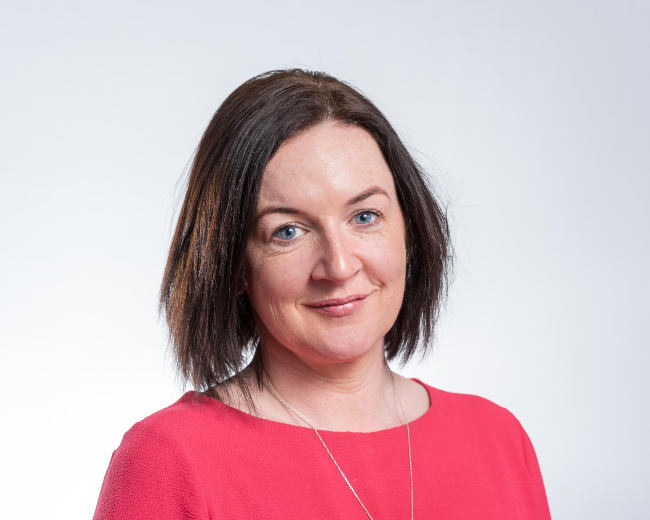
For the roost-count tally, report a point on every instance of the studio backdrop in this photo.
(532, 119)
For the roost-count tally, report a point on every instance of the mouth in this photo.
(339, 306)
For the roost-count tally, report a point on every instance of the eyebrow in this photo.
(375, 190)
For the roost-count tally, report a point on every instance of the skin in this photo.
(329, 227)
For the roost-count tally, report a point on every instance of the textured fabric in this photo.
(201, 459)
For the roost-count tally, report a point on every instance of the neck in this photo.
(350, 396)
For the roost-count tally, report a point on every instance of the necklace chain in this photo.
(408, 437)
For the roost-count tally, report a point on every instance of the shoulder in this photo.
(178, 425)
(482, 440)
(469, 408)
(159, 440)
(153, 470)
(474, 419)
(478, 429)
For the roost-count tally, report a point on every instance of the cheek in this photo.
(386, 267)
(387, 258)
(394, 281)
(276, 282)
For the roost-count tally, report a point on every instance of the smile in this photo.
(339, 306)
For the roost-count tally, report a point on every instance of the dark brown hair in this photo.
(211, 325)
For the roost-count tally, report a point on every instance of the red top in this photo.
(202, 459)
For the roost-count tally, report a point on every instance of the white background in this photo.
(532, 116)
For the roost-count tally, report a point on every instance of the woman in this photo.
(310, 245)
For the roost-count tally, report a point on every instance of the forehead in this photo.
(325, 163)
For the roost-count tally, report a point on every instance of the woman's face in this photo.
(326, 261)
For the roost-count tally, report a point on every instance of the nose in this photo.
(338, 260)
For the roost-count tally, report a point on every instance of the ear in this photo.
(243, 285)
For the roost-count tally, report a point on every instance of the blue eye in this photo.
(289, 232)
(365, 218)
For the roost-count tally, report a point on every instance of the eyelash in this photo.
(376, 212)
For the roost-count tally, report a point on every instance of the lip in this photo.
(339, 306)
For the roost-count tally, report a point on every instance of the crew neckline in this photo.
(239, 413)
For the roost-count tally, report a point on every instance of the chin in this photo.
(343, 347)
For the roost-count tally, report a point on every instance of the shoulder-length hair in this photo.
(211, 326)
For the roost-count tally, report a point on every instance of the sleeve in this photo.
(149, 477)
(541, 505)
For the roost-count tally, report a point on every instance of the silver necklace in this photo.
(408, 437)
